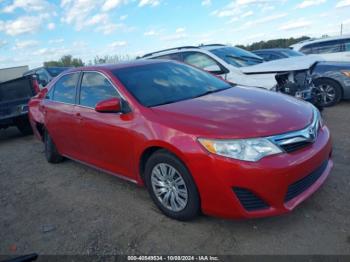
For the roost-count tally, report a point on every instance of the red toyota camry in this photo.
(196, 142)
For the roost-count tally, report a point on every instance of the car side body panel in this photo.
(116, 142)
(333, 70)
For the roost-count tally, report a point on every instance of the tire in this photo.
(51, 153)
(172, 194)
(24, 126)
(328, 92)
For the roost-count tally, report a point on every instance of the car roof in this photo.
(182, 48)
(271, 50)
(319, 40)
(126, 64)
(44, 67)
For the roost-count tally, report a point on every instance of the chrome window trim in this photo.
(82, 72)
(109, 80)
(104, 75)
(307, 134)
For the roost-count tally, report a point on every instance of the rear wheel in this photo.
(328, 92)
(171, 186)
(51, 153)
(24, 126)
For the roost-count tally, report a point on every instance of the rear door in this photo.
(104, 138)
(59, 108)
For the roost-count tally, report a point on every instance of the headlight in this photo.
(346, 73)
(242, 149)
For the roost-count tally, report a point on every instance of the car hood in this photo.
(238, 112)
(283, 65)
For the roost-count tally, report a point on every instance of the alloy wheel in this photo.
(326, 94)
(169, 187)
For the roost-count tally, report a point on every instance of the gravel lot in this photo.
(72, 209)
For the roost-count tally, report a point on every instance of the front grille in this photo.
(249, 200)
(295, 146)
(303, 184)
(299, 139)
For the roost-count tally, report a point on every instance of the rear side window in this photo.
(65, 88)
(327, 47)
(95, 88)
(347, 45)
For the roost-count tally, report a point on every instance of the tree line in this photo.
(274, 43)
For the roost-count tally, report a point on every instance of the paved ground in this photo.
(72, 209)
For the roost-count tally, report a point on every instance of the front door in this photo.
(104, 138)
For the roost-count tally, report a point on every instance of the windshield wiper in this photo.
(165, 103)
(212, 91)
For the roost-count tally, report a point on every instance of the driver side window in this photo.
(95, 88)
(202, 61)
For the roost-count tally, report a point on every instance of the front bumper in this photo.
(272, 180)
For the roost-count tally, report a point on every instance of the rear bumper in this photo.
(268, 180)
(10, 111)
(10, 120)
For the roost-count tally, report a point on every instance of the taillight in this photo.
(42, 93)
(36, 86)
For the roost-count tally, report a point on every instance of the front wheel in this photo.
(171, 186)
(328, 92)
(23, 125)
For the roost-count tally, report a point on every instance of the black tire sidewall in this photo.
(51, 152)
(23, 125)
(193, 204)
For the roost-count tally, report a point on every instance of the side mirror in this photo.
(113, 105)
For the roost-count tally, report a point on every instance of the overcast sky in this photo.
(33, 31)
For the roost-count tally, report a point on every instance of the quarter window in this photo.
(65, 88)
(95, 88)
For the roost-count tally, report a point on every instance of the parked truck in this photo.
(14, 97)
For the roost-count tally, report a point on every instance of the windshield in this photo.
(167, 82)
(55, 71)
(290, 53)
(237, 56)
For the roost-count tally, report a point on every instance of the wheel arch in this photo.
(152, 148)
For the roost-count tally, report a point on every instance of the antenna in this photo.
(341, 29)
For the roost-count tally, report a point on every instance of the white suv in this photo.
(290, 75)
(330, 48)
